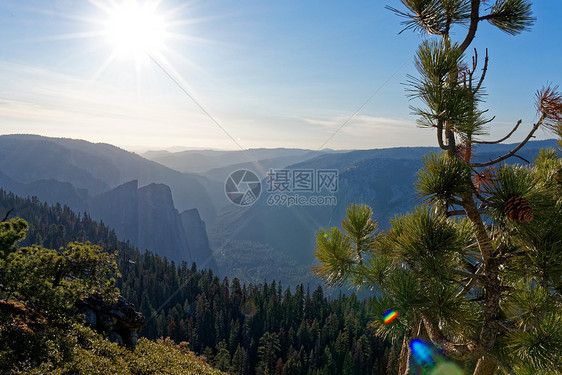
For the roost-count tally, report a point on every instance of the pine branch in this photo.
(502, 365)
(440, 136)
(526, 328)
(482, 199)
(471, 282)
(474, 19)
(467, 274)
(470, 350)
(7, 215)
(510, 16)
(482, 211)
(522, 158)
(512, 152)
(500, 140)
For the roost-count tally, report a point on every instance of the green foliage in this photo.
(11, 232)
(360, 227)
(225, 320)
(437, 16)
(79, 350)
(536, 246)
(51, 282)
(428, 243)
(421, 262)
(511, 16)
(437, 62)
(434, 16)
(536, 350)
(486, 289)
(510, 181)
(442, 179)
(336, 256)
(411, 265)
(445, 89)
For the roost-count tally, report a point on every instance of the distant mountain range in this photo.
(381, 178)
(104, 180)
(175, 204)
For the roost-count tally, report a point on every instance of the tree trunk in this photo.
(404, 360)
(485, 366)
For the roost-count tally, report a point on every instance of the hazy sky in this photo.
(272, 73)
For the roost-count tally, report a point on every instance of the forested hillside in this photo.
(241, 329)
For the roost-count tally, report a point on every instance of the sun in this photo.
(135, 30)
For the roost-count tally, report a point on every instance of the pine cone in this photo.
(518, 209)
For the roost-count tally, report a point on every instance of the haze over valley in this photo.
(174, 203)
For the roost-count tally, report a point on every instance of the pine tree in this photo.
(239, 362)
(480, 293)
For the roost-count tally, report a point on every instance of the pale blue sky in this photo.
(272, 73)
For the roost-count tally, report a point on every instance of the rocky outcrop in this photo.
(120, 321)
(148, 218)
(160, 225)
(118, 208)
(197, 240)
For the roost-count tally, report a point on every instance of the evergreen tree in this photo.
(182, 302)
(239, 362)
(485, 288)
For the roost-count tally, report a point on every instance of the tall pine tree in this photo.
(476, 270)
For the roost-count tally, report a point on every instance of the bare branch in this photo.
(7, 215)
(467, 274)
(512, 152)
(500, 140)
(484, 70)
(471, 282)
(471, 72)
(522, 158)
(455, 201)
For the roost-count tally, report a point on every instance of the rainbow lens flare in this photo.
(389, 316)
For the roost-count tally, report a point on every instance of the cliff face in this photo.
(119, 209)
(147, 217)
(197, 239)
(160, 225)
(104, 180)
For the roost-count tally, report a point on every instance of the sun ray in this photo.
(103, 67)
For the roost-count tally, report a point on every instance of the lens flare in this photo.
(389, 316)
(428, 361)
(422, 352)
(446, 368)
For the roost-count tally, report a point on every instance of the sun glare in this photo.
(135, 30)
